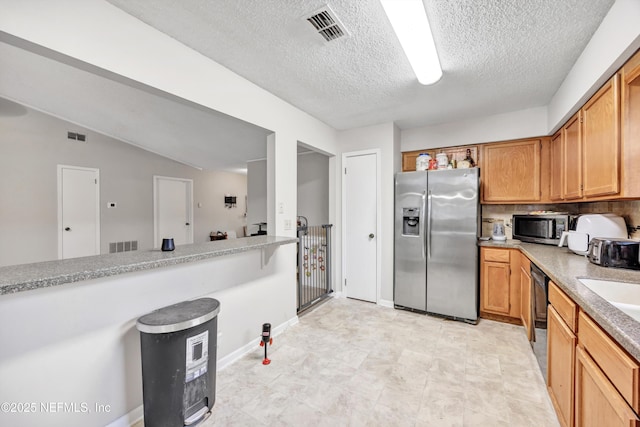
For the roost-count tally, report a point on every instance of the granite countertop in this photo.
(25, 277)
(564, 268)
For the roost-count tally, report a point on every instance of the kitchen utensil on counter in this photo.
(168, 245)
(588, 226)
(617, 253)
(498, 231)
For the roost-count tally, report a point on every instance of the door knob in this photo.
(371, 235)
(67, 229)
(187, 223)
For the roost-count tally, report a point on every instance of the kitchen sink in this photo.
(625, 296)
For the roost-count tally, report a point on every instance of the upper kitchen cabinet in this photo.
(601, 141)
(571, 167)
(556, 178)
(453, 153)
(631, 127)
(409, 159)
(511, 171)
(585, 153)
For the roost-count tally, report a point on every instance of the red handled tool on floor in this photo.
(266, 339)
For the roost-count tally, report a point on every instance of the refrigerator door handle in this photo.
(422, 215)
(429, 225)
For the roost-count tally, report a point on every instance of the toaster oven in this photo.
(544, 228)
(617, 253)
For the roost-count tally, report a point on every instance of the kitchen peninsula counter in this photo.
(25, 277)
(564, 268)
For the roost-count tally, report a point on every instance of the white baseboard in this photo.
(249, 347)
(135, 416)
(130, 419)
(385, 303)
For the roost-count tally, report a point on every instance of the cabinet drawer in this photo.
(622, 370)
(566, 308)
(495, 255)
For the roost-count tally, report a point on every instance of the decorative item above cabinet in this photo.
(454, 154)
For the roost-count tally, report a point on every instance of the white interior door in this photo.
(173, 216)
(360, 219)
(78, 212)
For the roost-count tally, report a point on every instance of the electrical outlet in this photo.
(287, 224)
(280, 208)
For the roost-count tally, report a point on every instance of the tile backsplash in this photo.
(629, 210)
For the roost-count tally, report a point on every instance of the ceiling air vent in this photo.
(326, 23)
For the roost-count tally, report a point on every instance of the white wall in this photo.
(313, 187)
(617, 38)
(499, 127)
(78, 343)
(160, 61)
(372, 137)
(32, 145)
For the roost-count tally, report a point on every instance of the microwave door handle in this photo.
(551, 231)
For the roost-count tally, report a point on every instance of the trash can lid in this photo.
(180, 316)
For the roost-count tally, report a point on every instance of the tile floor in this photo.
(351, 363)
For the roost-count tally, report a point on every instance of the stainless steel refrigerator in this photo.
(436, 253)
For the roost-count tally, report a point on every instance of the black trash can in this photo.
(178, 345)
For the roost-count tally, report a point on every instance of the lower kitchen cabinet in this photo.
(499, 289)
(591, 380)
(526, 296)
(598, 403)
(561, 349)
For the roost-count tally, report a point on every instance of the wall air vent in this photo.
(326, 23)
(77, 136)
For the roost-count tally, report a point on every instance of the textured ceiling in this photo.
(496, 55)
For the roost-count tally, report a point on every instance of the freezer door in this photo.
(452, 253)
(410, 275)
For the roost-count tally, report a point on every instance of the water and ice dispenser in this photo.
(411, 221)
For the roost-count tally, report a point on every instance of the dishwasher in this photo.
(539, 312)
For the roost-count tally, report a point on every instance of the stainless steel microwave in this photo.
(544, 228)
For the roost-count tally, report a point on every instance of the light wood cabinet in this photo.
(556, 167)
(630, 141)
(526, 296)
(495, 289)
(564, 306)
(572, 159)
(601, 141)
(622, 370)
(453, 153)
(561, 348)
(409, 159)
(511, 171)
(598, 403)
(499, 295)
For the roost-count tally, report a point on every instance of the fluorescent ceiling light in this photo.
(409, 21)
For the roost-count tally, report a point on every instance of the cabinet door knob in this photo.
(67, 229)
(371, 235)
